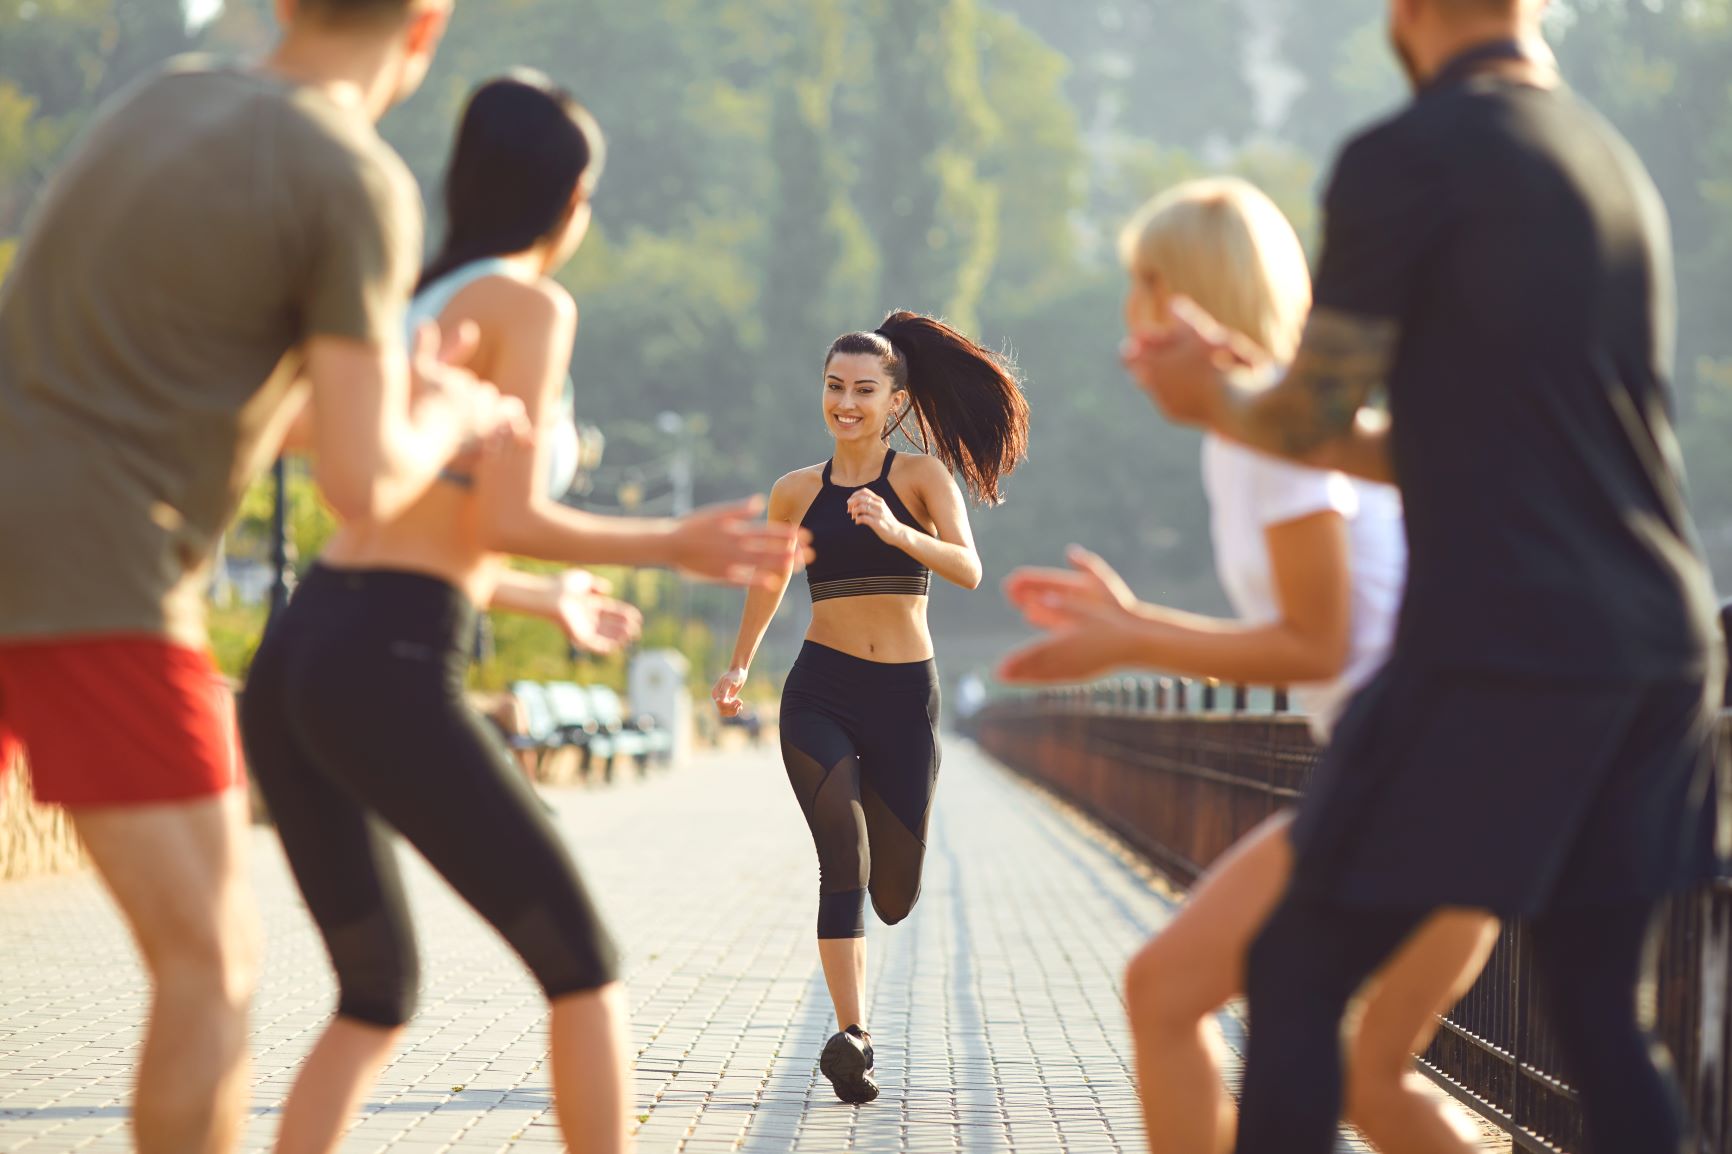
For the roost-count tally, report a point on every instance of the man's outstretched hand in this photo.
(1182, 365)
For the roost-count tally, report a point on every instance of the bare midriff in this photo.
(439, 536)
(880, 627)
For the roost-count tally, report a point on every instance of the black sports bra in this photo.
(851, 560)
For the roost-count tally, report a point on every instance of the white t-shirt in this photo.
(1249, 492)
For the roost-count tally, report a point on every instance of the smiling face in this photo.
(860, 401)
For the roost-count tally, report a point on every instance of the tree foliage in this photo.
(784, 170)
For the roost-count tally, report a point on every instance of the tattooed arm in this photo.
(1319, 412)
(1316, 413)
(1390, 207)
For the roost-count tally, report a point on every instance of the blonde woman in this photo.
(1313, 563)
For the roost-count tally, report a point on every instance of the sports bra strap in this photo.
(890, 455)
(432, 299)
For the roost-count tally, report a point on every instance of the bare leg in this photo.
(845, 973)
(177, 871)
(1187, 972)
(592, 1087)
(1389, 1100)
(334, 1079)
(1196, 965)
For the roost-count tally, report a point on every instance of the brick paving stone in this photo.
(995, 1007)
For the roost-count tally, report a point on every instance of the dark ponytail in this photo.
(524, 148)
(968, 407)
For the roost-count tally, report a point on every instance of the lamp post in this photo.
(681, 428)
(283, 583)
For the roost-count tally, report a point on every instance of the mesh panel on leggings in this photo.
(378, 970)
(831, 802)
(897, 860)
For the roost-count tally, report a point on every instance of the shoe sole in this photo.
(845, 1066)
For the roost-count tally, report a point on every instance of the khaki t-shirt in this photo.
(208, 225)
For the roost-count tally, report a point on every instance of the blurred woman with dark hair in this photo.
(859, 720)
(354, 716)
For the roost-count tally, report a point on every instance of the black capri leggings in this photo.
(860, 741)
(355, 724)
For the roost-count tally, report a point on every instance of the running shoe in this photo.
(847, 1062)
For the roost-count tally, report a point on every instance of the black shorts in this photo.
(1513, 794)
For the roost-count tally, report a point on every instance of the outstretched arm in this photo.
(762, 601)
(1095, 625)
(531, 594)
(726, 543)
(577, 601)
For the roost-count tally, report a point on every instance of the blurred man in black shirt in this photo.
(1497, 265)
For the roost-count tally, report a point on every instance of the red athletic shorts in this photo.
(117, 720)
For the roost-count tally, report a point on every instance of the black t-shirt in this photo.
(1526, 255)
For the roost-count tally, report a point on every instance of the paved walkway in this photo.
(995, 1007)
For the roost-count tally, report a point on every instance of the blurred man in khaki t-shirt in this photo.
(223, 242)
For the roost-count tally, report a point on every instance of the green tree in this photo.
(309, 519)
(803, 242)
(1104, 469)
(678, 86)
(1036, 163)
(918, 188)
(818, 264)
(1347, 70)
(59, 62)
(1143, 170)
(1661, 73)
(674, 323)
(1171, 71)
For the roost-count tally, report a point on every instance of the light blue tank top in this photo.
(563, 450)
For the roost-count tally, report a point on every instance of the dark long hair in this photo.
(525, 146)
(967, 403)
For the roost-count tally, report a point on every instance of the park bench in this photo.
(609, 717)
(582, 729)
(547, 731)
(646, 740)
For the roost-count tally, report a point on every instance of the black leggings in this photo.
(860, 741)
(355, 724)
(1310, 958)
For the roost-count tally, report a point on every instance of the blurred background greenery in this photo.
(784, 170)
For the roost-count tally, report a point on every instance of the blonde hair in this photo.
(1224, 244)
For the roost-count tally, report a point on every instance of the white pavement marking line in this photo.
(995, 1010)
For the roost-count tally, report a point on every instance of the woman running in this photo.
(354, 714)
(859, 719)
(1314, 563)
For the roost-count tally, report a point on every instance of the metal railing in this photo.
(1181, 770)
